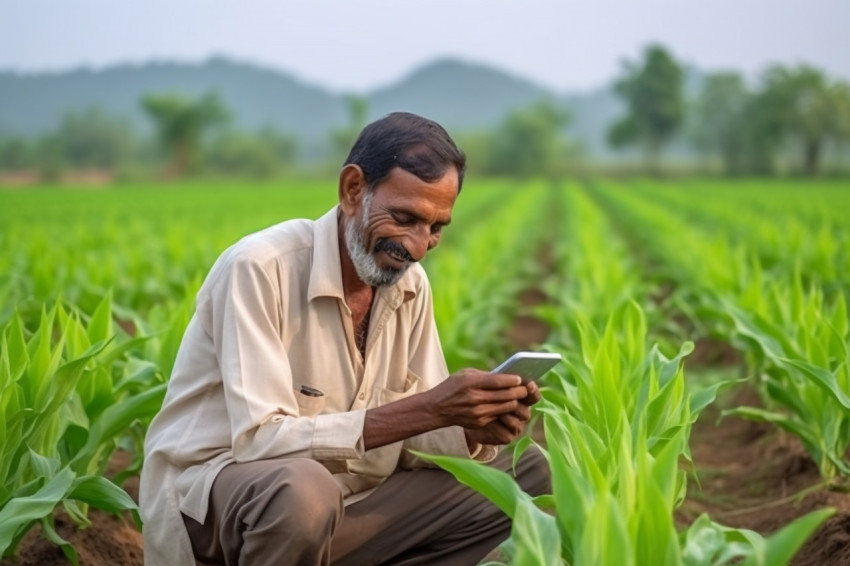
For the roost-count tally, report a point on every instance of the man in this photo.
(311, 366)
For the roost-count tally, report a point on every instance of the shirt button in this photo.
(362, 395)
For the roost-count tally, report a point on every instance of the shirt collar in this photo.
(326, 273)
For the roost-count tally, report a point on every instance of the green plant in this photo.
(617, 422)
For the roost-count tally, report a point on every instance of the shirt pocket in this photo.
(309, 405)
(411, 385)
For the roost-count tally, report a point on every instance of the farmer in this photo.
(311, 366)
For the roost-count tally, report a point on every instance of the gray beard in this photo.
(364, 262)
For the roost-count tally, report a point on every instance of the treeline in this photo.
(188, 137)
(784, 123)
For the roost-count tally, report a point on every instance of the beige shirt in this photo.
(271, 317)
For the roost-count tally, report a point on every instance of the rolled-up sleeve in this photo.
(257, 378)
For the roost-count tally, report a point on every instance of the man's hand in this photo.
(470, 398)
(493, 407)
(507, 427)
(473, 398)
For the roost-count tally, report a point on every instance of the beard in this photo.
(364, 262)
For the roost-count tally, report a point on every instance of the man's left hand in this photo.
(509, 426)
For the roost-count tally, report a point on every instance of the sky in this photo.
(359, 45)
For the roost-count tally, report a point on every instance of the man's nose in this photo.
(421, 242)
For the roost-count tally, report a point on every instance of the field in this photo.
(702, 408)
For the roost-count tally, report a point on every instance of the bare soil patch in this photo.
(714, 353)
(527, 331)
(753, 475)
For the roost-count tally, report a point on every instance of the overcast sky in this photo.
(356, 45)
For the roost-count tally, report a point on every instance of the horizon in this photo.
(404, 75)
(362, 47)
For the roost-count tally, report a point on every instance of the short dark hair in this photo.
(401, 139)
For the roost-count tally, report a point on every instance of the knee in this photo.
(307, 501)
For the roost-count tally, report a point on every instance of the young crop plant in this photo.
(798, 345)
(146, 245)
(795, 341)
(617, 422)
(37, 416)
(800, 236)
(71, 393)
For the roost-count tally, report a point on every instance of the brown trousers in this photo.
(290, 512)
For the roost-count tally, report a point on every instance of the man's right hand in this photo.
(472, 398)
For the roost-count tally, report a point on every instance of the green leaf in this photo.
(116, 419)
(100, 325)
(702, 398)
(19, 513)
(99, 492)
(605, 538)
(49, 530)
(495, 485)
(823, 378)
(536, 537)
(782, 545)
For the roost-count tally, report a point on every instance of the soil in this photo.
(527, 331)
(755, 476)
(111, 540)
(747, 475)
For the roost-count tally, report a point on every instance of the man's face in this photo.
(397, 223)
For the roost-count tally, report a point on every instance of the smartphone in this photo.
(530, 366)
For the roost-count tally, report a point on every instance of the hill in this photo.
(461, 95)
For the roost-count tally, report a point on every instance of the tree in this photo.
(811, 109)
(256, 155)
(719, 120)
(529, 142)
(94, 139)
(16, 154)
(181, 124)
(653, 94)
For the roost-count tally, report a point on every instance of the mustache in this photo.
(394, 248)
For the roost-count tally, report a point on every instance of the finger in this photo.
(522, 412)
(533, 394)
(499, 381)
(503, 432)
(512, 423)
(495, 410)
(501, 395)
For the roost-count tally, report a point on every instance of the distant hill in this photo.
(461, 95)
(256, 96)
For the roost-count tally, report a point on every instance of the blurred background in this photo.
(97, 93)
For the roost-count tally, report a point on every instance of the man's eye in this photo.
(437, 229)
(404, 219)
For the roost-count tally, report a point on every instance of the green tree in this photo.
(16, 154)
(263, 154)
(653, 92)
(181, 123)
(529, 142)
(812, 110)
(94, 139)
(717, 119)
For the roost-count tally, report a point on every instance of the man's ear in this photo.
(352, 188)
